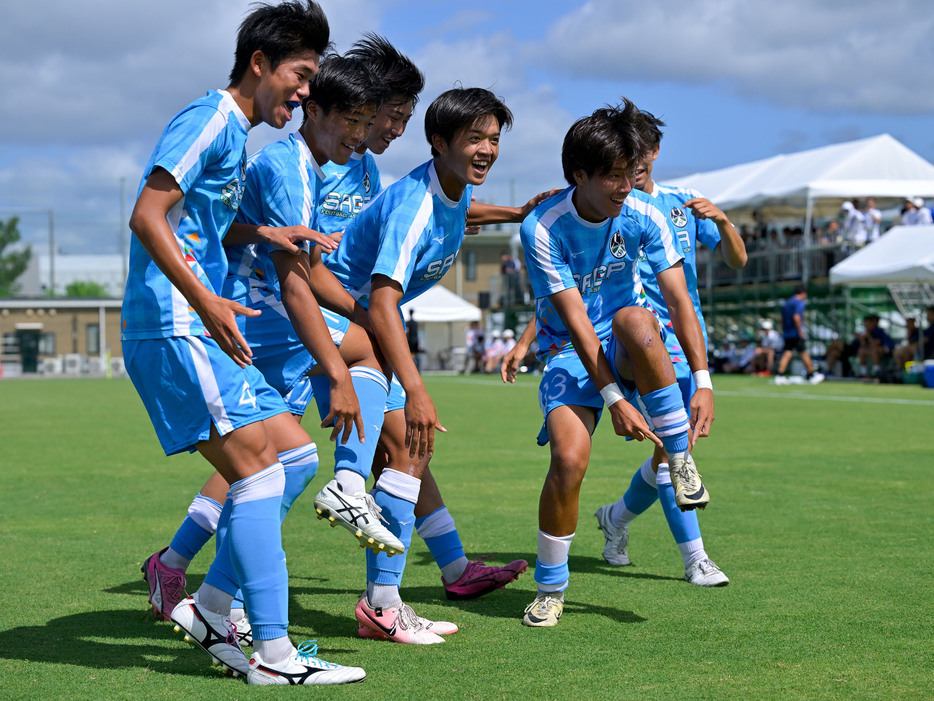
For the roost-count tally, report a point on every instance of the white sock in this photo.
(553, 550)
(382, 595)
(276, 650)
(692, 551)
(452, 571)
(214, 599)
(172, 559)
(351, 482)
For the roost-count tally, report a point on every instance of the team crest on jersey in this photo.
(617, 245)
(366, 182)
(678, 217)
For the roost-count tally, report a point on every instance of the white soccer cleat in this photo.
(781, 380)
(545, 611)
(360, 515)
(816, 378)
(690, 492)
(617, 539)
(213, 633)
(704, 573)
(301, 668)
(399, 624)
(244, 630)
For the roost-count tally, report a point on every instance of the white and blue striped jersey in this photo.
(563, 250)
(283, 181)
(690, 230)
(346, 190)
(410, 232)
(204, 149)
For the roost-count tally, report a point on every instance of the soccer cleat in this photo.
(704, 573)
(166, 585)
(816, 378)
(545, 611)
(360, 515)
(479, 579)
(690, 492)
(213, 633)
(781, 380)
(398, 623)
(617, 539)
(244, 630)
(301, 668)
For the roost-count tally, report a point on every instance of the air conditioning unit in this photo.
(75, 364)
(52, 366)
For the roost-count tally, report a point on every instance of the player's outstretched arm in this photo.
(148, 223)
(281, 238)
(627, 421)
(312, 329)
(687, 328)
(481, 214)
(421, 417)
(731, 247)
(511, 361)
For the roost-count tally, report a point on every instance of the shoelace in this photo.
(232, 638)
(374, 508)
(684, 473)
(307, 652)
(173, 586)
(410, 620)
(541, 605)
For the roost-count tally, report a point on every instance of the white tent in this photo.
(440, 314)
(879, 166)
(903, 254)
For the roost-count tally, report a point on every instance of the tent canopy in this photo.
(879, 166)
(904, 254)
(440, 304)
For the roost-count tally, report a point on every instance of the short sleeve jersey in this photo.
(282, 185)
(793, 306)
(204, 149)
(690, 231)
(563, 250)
(346, 190)
(410, 232)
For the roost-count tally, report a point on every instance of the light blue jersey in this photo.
(204, 150)
(411, 232)
(346, 191)
(563, 250)
(690, 230)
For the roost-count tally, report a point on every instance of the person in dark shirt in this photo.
(795, 337)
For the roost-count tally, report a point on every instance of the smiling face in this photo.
(642, 175)
(333, 136)
(390, 123)
(467, 159)
(280, 91)
(601, 195)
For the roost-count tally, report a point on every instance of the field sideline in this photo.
(820, 515)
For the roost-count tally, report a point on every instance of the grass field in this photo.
(821, 516)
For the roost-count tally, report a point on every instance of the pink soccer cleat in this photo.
(166, 585)
(479, 579)
(400, 624)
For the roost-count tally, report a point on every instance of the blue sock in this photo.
(440, 535)
(395, 493)
(250, 551)
(640, 495)
(197, 528)
(372, 389)
(665, 408)
(552, 577)
(683, 524)
(301, 466)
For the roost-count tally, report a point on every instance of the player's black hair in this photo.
(651, 127)
(461, 108)
(594, 144)
(799, 288)
(397, 71)
(280, 31)
(343, 84)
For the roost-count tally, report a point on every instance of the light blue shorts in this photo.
(188, 383)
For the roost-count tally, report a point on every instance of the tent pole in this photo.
(808, 216)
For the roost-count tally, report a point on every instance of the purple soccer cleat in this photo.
(166, 585)
(479, 579)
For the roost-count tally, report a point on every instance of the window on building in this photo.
(47, 344)
(94, 339)
(470, 265)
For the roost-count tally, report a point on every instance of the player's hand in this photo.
(627, 421)
(219, 316)
(286, 238)
(336, 236)
(537, 200)
(510, 367)
(702, 414)
(421, 420)
(472, 230)
(705, 209)
(345, 411)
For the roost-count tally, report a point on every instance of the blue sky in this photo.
(89, 86)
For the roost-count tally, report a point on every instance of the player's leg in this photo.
(640, 357)
(569, 429)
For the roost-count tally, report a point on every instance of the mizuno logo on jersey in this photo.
(366, 182)
(617, 245)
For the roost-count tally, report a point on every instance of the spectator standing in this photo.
(854, 224)
(873, 218)
(795, 338)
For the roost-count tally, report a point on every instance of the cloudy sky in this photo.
(88, 87)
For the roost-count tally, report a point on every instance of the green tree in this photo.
(85, 289)
(12, 263)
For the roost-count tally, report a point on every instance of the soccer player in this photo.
(602, 346)
(397, 247)
(187, 357)
(793, 331)
(347, 190)
(696, 219)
